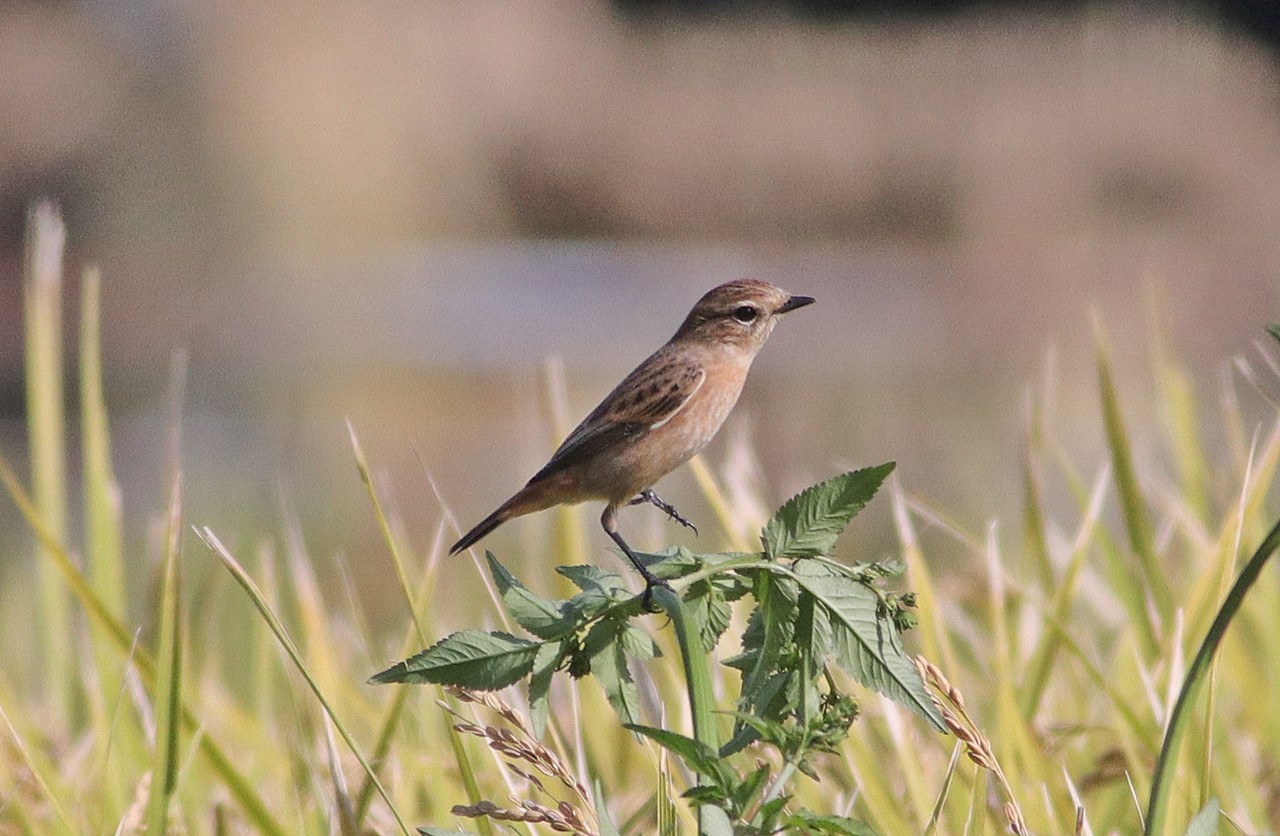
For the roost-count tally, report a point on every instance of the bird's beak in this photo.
(794, 302)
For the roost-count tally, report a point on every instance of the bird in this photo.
(660, 415)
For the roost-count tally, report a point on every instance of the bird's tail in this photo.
(535, 496)
(486, 525)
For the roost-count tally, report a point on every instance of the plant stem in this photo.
(702, 702)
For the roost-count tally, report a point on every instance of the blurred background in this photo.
(399, 212)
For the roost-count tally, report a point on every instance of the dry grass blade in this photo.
(277, 628)
(46, 430)
(103, 620)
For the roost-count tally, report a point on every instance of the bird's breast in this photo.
(690, 429)
(670, 443)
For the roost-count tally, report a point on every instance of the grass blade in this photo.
(1157, 807)
(101, 492)
(277, 628)
(1132, 503)
(362, 466)
(169, 672)
(46, 429)
(101, 618)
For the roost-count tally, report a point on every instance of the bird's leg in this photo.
(608, 520)
(667, 508)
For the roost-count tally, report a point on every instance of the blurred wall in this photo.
(363, 208)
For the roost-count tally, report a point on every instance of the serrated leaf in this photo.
(697, 755)
(590, 578)
(770, 731)
(470, 659)
(545, 664)
(774, 700)
(808, 524)
(541, 617)
(773, 628)
(608, 665)
(638, 644)
(706, 794)
(808, 822)
(866, 646)
(710, 611)
(672, 563)
(769, 628)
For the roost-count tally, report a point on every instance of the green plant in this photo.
(808, 610)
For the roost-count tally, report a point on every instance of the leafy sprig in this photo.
(809, 610)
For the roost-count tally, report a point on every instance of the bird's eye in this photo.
(745, 314)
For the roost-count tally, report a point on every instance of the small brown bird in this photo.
(658, 417)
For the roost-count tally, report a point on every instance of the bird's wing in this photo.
(646, 399)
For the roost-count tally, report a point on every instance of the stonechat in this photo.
(658, 417)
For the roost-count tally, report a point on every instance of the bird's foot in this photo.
(664, 506)
(646, 598)
(650, 580)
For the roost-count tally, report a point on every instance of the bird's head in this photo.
(740, 313)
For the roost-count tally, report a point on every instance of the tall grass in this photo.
(245, 707)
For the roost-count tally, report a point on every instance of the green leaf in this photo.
(710, 611)
(608, 663)
(807, 649)
(749, 787)
(699, 757)
(607, 827)
(675, 562)
(1205, 822)
(545, 664)
(770, 809)
(769, 629)
(545, 619)
(1197, 674)
(470, 659)
(866, 646)
(1136, 514)
(638, 644)
(590, 578)
(713, 821)
(808, 524)
(804, 821)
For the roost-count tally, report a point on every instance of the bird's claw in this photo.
(665, 507)
(646, 597)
